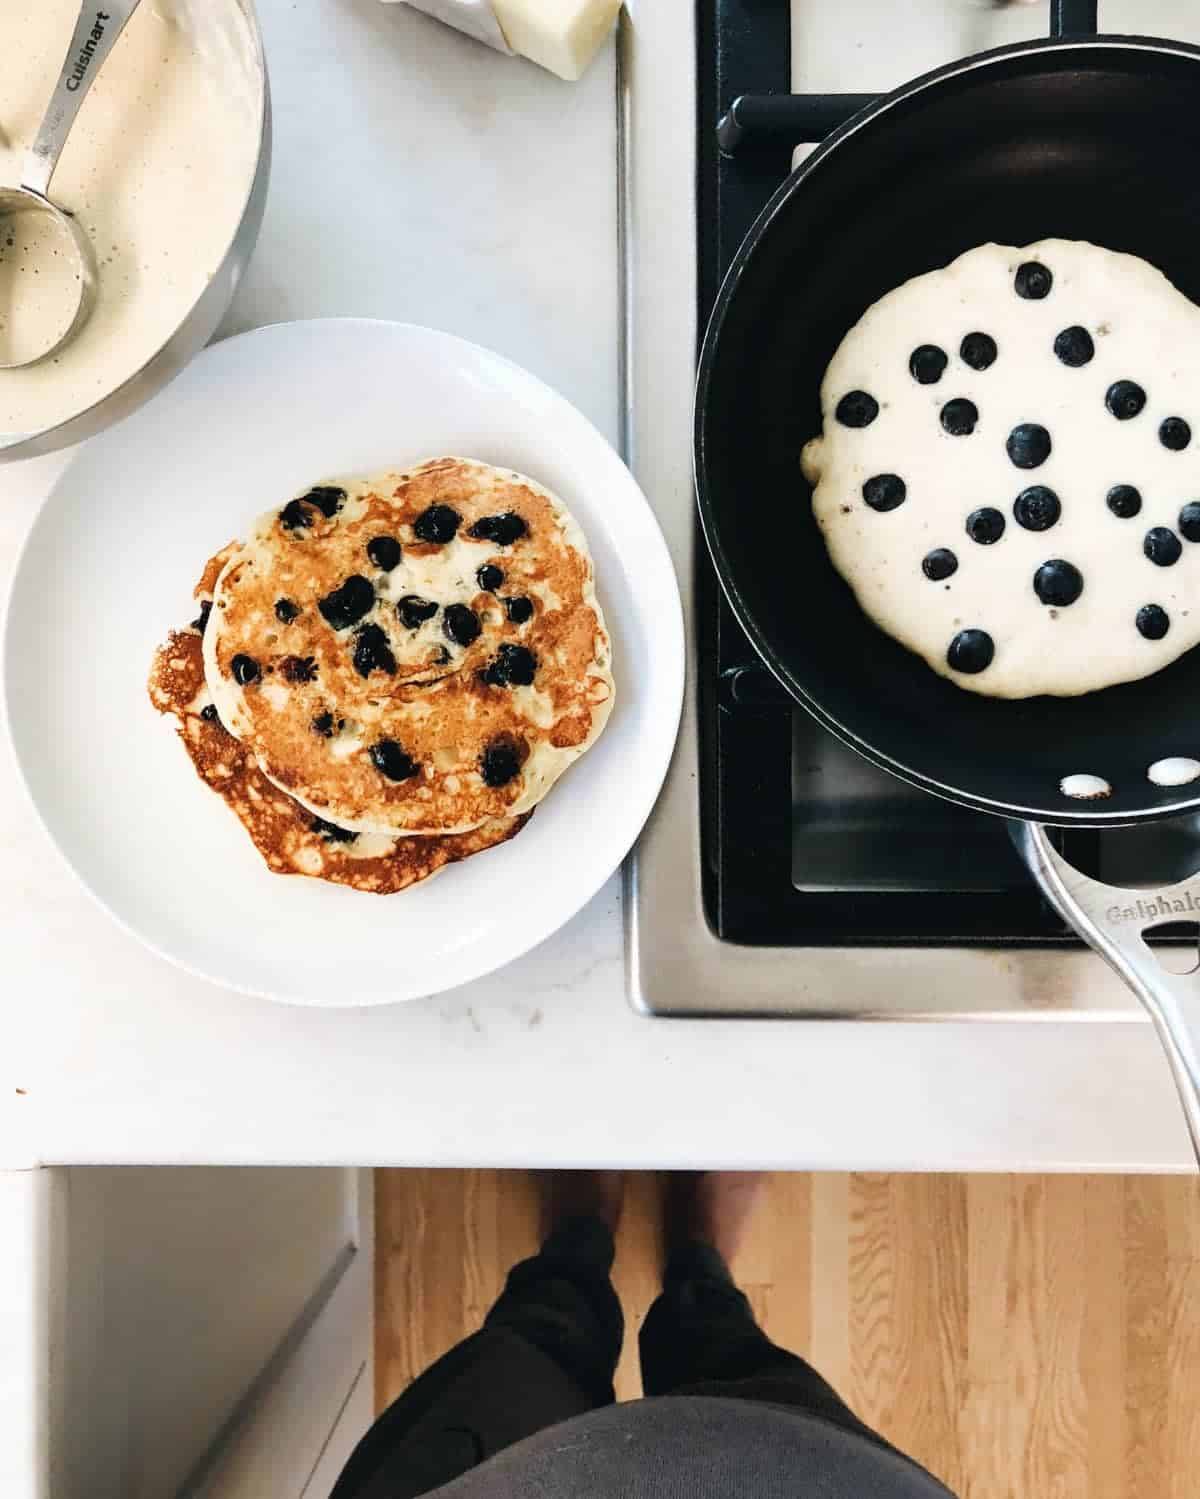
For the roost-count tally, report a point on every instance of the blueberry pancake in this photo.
(1007, 477)
(417, 652)
(287, 835)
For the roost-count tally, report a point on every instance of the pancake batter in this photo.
(157, 168)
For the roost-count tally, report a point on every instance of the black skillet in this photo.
(1080, 137)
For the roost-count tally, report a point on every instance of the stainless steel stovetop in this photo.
(854, 836)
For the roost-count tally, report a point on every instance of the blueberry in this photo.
(295, 516)
(971, 651)
(978, 350)
(1152, 621)
(1058, 583)
(414, 611)
(1036, 508)
(1124, 500)
(299, 668)
(346, 605)
(390, 760)
(1174, 433)
(201, 620)
(331, 832)
(1124, 399)
(959, 417)
(384, 552)
(1028, 445)
(1189, 521)
(245, 669)
(501, 529)
(939, 564)
(209, 713)
(1162, 546)
(286, 611)
(1033, 281)
(328, 499)
(323, 725)
(437, 524)
(500, 762)
(985, 525)
(884, 491)
(857, 409)
(519, 610)
(1074, 346)
(461, 624)
(372, 652)
(513, 666)
(489, 577)
(927, 364)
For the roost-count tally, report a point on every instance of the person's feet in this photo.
(581, 1194)
(706, 1207)
(710, 1207)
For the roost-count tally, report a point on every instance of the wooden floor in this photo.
(1020, 1336)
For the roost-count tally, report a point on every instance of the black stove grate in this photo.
(762, 886)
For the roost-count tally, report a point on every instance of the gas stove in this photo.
(781, 874)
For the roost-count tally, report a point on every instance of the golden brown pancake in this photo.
(417, 652)
(289, 837)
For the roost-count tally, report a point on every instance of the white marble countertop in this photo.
(486, 201)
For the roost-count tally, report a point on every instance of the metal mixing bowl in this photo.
(240, 51)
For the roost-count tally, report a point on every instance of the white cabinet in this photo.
(183, 1331)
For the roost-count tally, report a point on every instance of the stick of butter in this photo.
(561, 35)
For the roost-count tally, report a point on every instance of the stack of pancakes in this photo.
(390, 673)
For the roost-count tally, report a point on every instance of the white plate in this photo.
(109, 565)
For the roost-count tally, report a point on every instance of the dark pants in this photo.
(548, 1349)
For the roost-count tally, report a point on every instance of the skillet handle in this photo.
(1114, 922)
(1074, 18)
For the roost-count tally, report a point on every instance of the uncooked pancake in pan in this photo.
(1007, 476)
